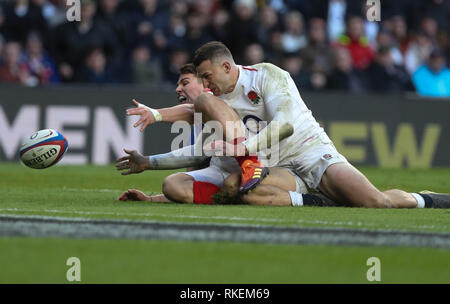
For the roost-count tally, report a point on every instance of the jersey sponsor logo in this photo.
(253, 96)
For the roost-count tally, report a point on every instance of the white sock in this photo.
(296, 198)
(419, 199)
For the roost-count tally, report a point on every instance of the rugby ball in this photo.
(43, 149)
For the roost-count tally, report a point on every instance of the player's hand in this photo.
(223, 148)
(134, 162)
(146, 115)
(133, 195)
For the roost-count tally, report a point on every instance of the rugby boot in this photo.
(436, 200)
(253, 172)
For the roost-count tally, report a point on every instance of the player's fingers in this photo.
(126, 172)
(128, 151)
(144, 125)
(139, 122)
(123, 166)
(123, 196)
(137, 104)
(135, 111)
(121, 159)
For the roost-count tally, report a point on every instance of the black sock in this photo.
(311, 200)
(427, 199)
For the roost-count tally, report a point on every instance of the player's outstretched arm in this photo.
(135, 162)
(148, 116)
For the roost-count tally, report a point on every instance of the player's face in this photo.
(215, 76)
(188, 88)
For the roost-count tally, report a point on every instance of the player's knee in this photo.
(231, 184)
(175, 188)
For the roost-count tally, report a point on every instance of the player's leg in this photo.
(214, 108)
(344, 183)
(196, 187)
(279, 188)
(273, 190)
(178, 187)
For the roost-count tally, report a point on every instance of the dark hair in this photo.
(188, 68)
(210, 51)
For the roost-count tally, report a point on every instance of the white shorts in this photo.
(219, 169)
(309, 167)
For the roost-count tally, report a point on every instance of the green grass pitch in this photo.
(90, 192)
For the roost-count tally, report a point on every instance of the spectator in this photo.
(433, 78)
(13, 69)
(145, 70)
(138, 38)
(438, 10)
(293, 38)
(334, 12)
(387, 77)
(242, 28)
(254, 53)
(117, 21)
(39, 63)
(418, 52)
(22, 17)
(53, 13)
(196, 34)
(385, 40)
(74, 39)
(399, 30)
(357, 43)
(150, 24)
(95, 69)
(343, 76)
(443, 42)
(176, 32)
(204, 8)
(178, 57)
(292, 63)
(317, 54)
(268, 22)
(429, 26)
(219, 23)
(371, 28)
(179, 8)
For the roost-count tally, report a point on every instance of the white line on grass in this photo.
(54, 226)
(92, 190)
(235, 219)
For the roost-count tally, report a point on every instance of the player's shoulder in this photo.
(267, 69)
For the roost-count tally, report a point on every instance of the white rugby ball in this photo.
(43, 149)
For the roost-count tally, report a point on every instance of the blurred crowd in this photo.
(323, 44)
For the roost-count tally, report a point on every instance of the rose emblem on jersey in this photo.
(327, 156)
(253, 96)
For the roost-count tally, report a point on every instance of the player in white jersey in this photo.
(269, 93)
(195, 186)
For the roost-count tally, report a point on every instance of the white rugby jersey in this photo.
(264, 92)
